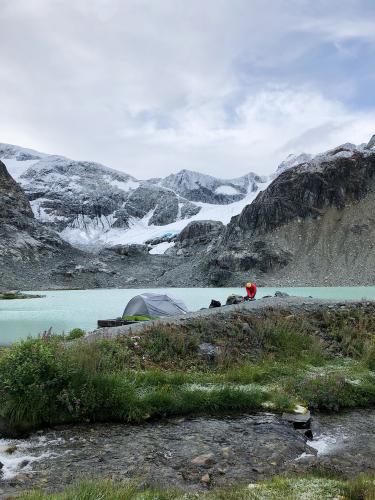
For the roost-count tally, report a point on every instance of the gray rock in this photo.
(299, 421)
(205, 460)
(246, 329)
(207, 349)
(214, 303)
(281, 294)
(234, 299)
(371, 143)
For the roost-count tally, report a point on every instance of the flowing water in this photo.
(66, 309)
(240, 449)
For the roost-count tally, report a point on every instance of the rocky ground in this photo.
(294, 305)
(193, 454)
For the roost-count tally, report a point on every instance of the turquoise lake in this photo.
(66, 309)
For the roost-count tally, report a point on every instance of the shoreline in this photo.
(295, 304)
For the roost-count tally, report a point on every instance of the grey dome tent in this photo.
(154, 305)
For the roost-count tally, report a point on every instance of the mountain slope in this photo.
(22, 237)
(313, 224)
(93, 206)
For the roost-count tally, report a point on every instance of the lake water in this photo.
(66, 309)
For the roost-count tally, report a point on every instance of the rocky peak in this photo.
(341, 176)
(13, 201)
(371, 143)
(21, 235)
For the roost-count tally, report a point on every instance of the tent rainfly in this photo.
(154, 305)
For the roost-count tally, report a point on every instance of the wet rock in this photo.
(299, 420)
(234, 299)
(281, 294)
(215, 303)
(24, 463)
(205, 460)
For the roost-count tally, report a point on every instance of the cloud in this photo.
(151, 87)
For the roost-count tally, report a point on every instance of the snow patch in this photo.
(17, 168)
(129, 185)
(226, 190)
(161, 248)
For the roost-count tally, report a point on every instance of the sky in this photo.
(151, 87)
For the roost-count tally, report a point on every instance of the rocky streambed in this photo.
(193, 454)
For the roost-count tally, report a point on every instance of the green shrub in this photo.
(74, 334)
(333, 391)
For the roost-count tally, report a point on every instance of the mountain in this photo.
(313, 224)
(198, 187)
(92, 206)
(21, 235)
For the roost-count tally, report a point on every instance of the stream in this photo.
(181, 452)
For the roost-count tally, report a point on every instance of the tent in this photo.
(154, 305)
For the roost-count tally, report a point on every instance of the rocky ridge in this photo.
(22, 237)
(313, 225)
(92, 206)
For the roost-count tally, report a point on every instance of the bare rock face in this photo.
(314, 219)
(21, 236)
(308, 190)
(200, 232)
(14, 205)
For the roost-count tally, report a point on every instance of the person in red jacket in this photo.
(251, 290)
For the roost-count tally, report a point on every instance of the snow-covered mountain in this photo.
(195, 186)
(91, 205)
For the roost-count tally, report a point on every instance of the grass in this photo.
(322, 359)
(307, 488)
(18, 295)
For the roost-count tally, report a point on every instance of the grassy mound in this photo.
(274, 361)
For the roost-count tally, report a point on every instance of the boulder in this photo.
(281, 294)
(215, 303)
(200, 232)
(205, 460)
(208, 350)
(132, 250)
(234, 299)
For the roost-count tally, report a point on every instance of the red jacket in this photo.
(251, 290)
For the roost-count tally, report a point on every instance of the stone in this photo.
(208, 350)
(281, 294)
(226, 452)
(206, 479)
(299, 420)
(215, 303)
(234, 299)
(246, 329)
(205, 460)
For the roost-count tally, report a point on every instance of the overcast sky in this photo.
(154, 86)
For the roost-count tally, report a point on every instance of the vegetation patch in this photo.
(236, 364)
(18, 295)
(307, 488)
